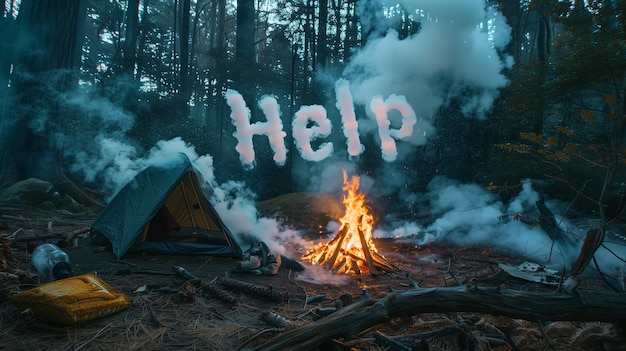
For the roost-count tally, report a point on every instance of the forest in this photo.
(458, 115)
(90, 86)
(548, 86)
(502, 91)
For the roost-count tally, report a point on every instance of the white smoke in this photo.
(467, 214)
(274, 128)
(241, 118)
(387, 136)
(244, 131)
(345, 105)
(114, 162)
(303, 135)
(454, 55)
(97, 146)
(236, 205)
(105, 155)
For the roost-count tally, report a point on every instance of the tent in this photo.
(165, 209)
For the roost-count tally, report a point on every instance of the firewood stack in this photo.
(353, 259)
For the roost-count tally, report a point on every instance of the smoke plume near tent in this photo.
(105, 155)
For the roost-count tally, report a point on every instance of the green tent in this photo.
(165, 209)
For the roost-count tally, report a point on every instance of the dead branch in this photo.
(219, 293)
(583, 306)
(253, 289)
(593, 240)
(41, 235)
(275, 320)
(550, 226)
(71, 235)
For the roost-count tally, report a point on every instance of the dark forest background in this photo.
(158, 69)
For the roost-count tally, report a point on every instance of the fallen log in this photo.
(37, 236)
(219, 293)
(584, 305)
(266, 292)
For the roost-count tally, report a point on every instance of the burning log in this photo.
(366, 252)
(356, 260)
(352, 250)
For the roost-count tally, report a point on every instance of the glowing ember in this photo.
(353, 249)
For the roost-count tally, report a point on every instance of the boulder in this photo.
(31, 192)
(39, 193)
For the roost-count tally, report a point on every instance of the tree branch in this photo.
(583, 306)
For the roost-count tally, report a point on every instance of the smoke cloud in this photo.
(244, 132)
(106, 156)
(467, 214)
(345, 105)
(453, 56)
(303, 135)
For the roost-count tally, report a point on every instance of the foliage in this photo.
(588, 166)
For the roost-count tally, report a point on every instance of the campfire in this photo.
(352, 250)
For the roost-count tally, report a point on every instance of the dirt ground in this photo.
(167, 313)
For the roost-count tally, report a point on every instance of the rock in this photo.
(47, 206)
(68, 203)
(30, 192)
(39, 193)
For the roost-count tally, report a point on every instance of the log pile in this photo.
(354, 259)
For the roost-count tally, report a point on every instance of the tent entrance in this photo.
(184, 217)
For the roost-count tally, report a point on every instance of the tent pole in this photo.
(206, 222)
(193, 222)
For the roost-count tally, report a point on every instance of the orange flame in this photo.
(348, 251)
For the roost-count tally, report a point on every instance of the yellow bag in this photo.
(72, 300)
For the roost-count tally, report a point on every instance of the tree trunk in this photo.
(127, 91)
(129, 50)
(512, 11)
(543, 44)
(532, 306)
(185, 87)
(352, 24)
(245, 53)
(245, 31)
(44, 60)
(7, 24)
(337, 44)
(322, 36)
(37, 77)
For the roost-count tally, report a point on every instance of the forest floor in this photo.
(165, 314)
